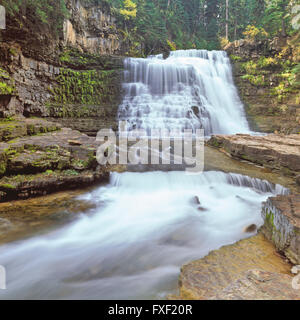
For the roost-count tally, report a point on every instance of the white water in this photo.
(192, 89)
(145, 226)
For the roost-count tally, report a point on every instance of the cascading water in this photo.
(146, 225)
(131, 246)
(192, 89)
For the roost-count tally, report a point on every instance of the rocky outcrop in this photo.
(72, 75)
(271, 151)
(260, 285)
(12, 129)
(249, 269)
(265, 73)
(253, 49)
(85, 99)
(46, 159)
(87, 26)
(282, 224)
(92, 29)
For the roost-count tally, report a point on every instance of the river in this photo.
(143, 226)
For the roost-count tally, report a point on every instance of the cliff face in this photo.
(92, 29)
(267, 77)
(73, 77)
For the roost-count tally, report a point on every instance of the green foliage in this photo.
(47, 12)
(129, 9)
(255, 33)
(250, 67)
(235, 58)
(154, 26)
(256, 80)
(6, 83)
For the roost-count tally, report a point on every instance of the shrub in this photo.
(255, 33)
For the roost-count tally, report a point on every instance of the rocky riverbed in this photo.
(38, 157)
(258, 267)
(248, 270)
(274, 151)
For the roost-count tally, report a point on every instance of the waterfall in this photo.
(144, 226)
(192, 89)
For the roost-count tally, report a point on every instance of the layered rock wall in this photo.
(282, 224)
(92, 29)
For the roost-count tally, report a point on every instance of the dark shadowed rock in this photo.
(250, 229)
(196, 200)
(202, 209)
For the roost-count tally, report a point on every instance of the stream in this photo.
(143, 226)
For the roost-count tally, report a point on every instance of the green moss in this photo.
(215, 143)
(4, 74)
(250, 67)
(13, 51)
(6, 83)
(256, 80)
(65, 57)
(7, 186)
(235, 58)
(88, 87)
(71, 172)
(6, 89)
(3, 166)
(269, 220)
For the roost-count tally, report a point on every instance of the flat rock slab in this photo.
(43, 163)
(10, 130)
(273, 151)
(282, 224)
(223, 273)
(260, 285)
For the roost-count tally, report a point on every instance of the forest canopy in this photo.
(179, 24)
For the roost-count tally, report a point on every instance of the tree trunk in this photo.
(227, 18)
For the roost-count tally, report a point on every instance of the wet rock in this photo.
(202, 209)
(250, 229)
(295, 269)
(272, 151)
(196, 200)
(223, 273)
(282, 224)
(74, 143)
(298, 180)
(196, 111)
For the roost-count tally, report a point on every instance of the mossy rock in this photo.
(10, 130)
